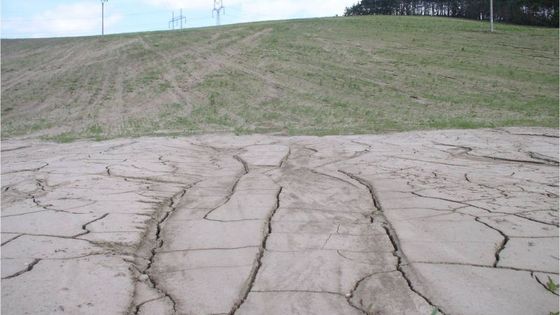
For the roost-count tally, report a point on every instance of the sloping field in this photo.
(317, 76)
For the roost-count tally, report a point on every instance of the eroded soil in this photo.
(461, 221)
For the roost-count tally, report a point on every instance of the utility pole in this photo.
(218, 7)
(174, 19)
(103, 16)
(491, 16)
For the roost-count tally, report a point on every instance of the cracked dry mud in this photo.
(461, 221)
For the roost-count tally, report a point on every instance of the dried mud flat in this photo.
(462, 221)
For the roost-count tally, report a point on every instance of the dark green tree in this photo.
(528, 12)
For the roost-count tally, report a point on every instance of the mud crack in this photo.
(162, 216)
(260, 255)
(351, 294)
(28, 169)
(84, 226)
(375, 200)
(397, 252)
(502, 245)
(233, 187)
(541, 159)
(27, 269)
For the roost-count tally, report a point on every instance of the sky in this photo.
(50, 18)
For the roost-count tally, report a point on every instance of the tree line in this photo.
(527, 12)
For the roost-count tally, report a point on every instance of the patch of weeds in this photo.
(175, 106)
(457, 122)
(212, 98)
(128, 86)
(40, 124)
(150, 76)
(64, 137)
(170, 110)
(94, 129)
(341, 104)
(552, 286)
(164, 87)
(271, 116)
(133, 127)
(182, 122)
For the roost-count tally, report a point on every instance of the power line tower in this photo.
(177, 20)
(218, 8)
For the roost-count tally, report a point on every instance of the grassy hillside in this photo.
(317, 76)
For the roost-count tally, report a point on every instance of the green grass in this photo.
(552, 286)
(317, 76)
(64, 137)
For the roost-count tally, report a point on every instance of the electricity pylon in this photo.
(218, 8)
(174, 19)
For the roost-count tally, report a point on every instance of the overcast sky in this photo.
(54, 18)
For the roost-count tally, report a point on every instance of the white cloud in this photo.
(63, 20)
